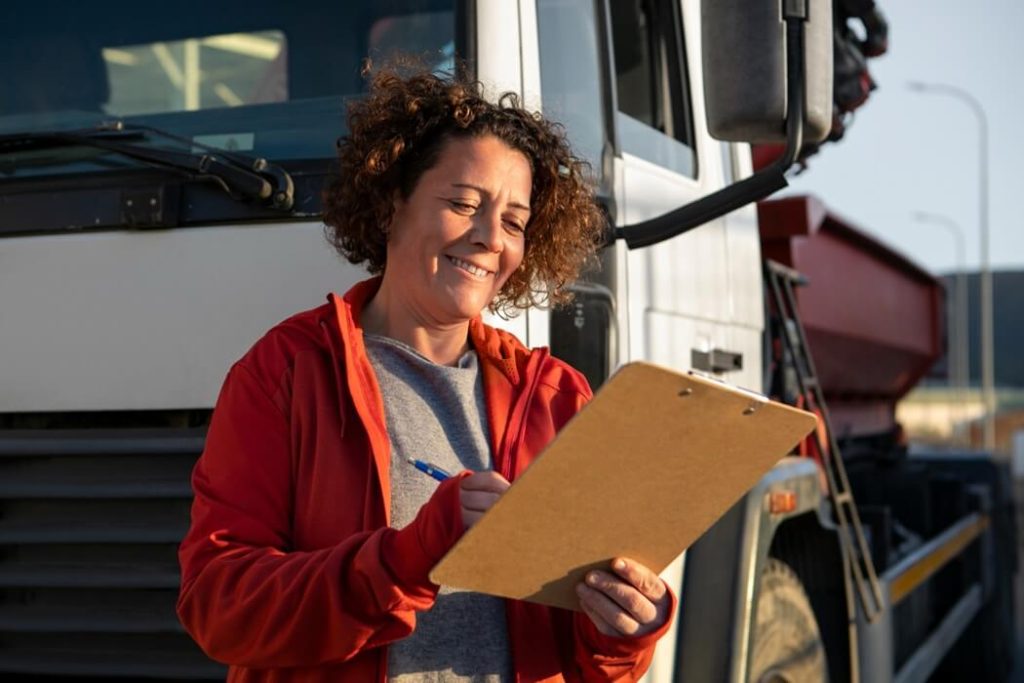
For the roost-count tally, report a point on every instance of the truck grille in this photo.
(90, 522)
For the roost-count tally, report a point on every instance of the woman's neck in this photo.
(391, 316)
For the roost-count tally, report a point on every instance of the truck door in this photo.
(625, 78)
(677, 290)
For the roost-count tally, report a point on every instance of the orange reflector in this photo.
(781, 502)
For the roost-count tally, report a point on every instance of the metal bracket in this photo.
(151, 207)
(794, 9)
(716, 360)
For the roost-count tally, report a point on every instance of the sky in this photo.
(907, 152)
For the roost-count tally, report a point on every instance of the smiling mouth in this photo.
(475, 271)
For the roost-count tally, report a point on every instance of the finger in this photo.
(470, 517)
(485, 481)
(642, 578)
(478, 500)
(607, 609)
(599, 623)
(626, 596)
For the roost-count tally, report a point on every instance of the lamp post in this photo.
(958, 353)
(987, 344)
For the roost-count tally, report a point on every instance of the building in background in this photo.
(939, 414)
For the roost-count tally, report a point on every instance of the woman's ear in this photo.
(397, 207)
(397, 202)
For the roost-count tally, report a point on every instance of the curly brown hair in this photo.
(397, 133)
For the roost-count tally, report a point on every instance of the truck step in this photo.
(90, 521)
(49, 442)
(102, 611)
(93, 521)
(169, 655)
(42, 468)
(102, 576)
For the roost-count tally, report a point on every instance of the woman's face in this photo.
(454, 242)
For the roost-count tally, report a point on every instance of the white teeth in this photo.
(466, 265)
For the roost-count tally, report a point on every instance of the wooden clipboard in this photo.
(642, 471)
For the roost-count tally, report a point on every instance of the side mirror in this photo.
(759, 56)
(744, 45)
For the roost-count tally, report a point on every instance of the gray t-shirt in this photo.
(436, 413)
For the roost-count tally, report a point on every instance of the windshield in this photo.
(264, 77)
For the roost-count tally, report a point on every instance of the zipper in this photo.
(518, 417)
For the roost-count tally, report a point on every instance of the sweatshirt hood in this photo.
(510, 372)
(495, 347)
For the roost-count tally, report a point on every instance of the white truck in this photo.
(160, 176)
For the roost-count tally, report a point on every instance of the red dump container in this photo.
(873, 318)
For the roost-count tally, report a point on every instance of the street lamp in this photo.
(987, 344)
(958, 353)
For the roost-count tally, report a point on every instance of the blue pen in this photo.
(427, 468)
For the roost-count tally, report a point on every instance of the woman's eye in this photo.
(516, 226)
(463, 207)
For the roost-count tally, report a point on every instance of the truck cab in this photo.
(129, 287)
(161, 169)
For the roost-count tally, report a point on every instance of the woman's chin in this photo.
(466, 311)
(466, 305)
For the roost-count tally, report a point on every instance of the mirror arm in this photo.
(758, 186)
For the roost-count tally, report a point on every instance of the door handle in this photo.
(716, 360)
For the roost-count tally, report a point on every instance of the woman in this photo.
(312, 536)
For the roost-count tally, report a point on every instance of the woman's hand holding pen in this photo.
(478, 493)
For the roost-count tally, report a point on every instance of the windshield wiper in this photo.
(241, 176)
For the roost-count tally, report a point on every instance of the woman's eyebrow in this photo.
(470, 186)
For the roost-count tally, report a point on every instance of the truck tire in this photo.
(786, 643)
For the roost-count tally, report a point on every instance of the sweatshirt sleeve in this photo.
(608, 658)
(247, 598)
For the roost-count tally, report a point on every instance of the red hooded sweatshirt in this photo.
(290, 571)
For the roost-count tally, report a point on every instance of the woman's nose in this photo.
(487, 231)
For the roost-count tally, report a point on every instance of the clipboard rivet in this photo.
(685, 392)
(750, 409)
